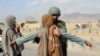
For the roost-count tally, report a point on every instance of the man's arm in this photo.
(75, 39)
(27, 38)
(66, 35)
(72, 37)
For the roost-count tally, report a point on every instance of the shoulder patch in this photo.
(60, 24)
(61, 21)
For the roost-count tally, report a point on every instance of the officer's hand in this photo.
(88, 44)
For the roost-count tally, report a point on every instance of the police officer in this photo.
(55, 12)
(55, 15)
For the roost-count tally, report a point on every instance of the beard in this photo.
(55, 21)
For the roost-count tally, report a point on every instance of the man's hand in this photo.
(88, 44)
(13, 43)
(17, 28)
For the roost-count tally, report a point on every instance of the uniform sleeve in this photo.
(72, 37)
(20, 41)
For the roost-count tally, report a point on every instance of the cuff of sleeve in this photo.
(82, 43)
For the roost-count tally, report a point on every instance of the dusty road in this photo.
(31, 50)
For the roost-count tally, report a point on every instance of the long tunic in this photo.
(9, 35)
